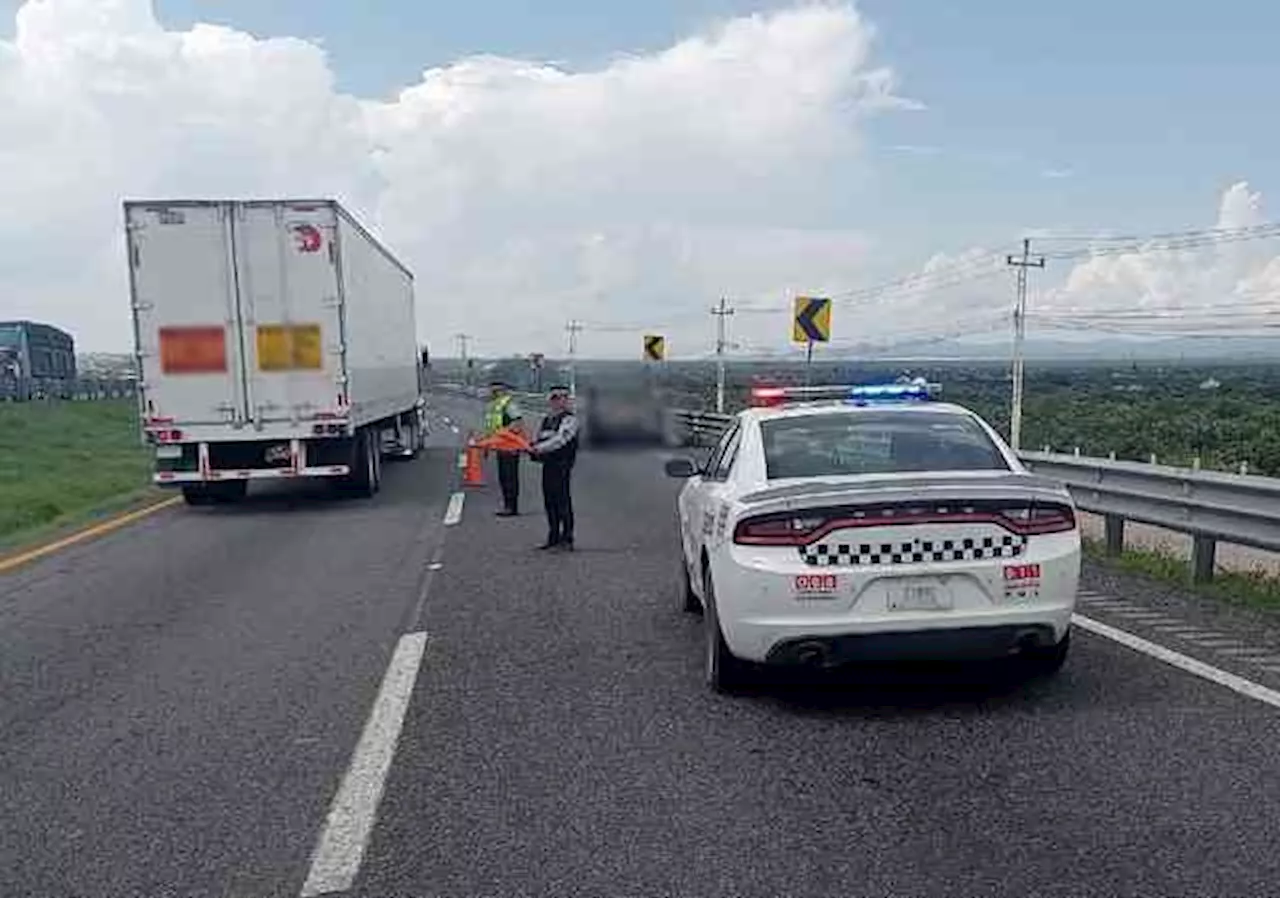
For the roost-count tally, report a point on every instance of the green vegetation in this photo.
(1221, 413)
(62, 461)
(1254, 589)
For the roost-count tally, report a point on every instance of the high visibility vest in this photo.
(495, 417)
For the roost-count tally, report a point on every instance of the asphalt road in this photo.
(181, 701)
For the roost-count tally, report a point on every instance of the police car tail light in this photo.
(777, 531)
(1036, 519)
(797, 529)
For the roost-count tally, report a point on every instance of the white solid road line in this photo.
(453, 514)
(337, 857)
(1184, 662)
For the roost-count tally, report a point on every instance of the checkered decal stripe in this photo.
(976, 548)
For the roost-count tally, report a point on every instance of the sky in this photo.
(628, 164)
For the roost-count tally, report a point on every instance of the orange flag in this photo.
(505, 440)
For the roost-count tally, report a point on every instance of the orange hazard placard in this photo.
(193, 350)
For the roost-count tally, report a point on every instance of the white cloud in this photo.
(1113, 285)
(644, 189)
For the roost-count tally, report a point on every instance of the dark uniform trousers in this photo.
(509, 479)
(558, 500)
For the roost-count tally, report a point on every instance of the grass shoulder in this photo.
(1255, 589)
(64, 464)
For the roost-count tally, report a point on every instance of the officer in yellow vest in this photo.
(501, 412)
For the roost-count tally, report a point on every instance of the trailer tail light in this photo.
(193, 350)
(802, 528)
(322, 430)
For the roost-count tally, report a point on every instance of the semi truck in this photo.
(275, 340)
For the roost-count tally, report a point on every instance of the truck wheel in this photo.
(362, 479)
(229, 491)
(196, 495)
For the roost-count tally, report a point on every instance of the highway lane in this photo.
(179, 702)
(560, 741)
(178, 699)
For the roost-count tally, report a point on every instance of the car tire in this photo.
(725, 673)
(1046, 662)
(689, 602)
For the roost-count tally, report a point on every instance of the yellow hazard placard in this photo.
(812, 320)
(289, 347)
(655, 347)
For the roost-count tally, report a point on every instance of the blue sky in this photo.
(1153, 106)
(1130, 116)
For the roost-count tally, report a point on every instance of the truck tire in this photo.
(363, 479)
(229, 491)
(196, 495)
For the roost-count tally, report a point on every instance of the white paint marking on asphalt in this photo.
(435, 566)
(1245, 687)
(455, 429)
(1247, 653)
(453, 514)
(338, 854)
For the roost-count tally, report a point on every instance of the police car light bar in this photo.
(919, 391)
(767, 396)
(859, 394)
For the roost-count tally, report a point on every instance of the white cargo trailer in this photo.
(275, 340)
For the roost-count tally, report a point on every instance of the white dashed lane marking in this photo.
(1231, 649)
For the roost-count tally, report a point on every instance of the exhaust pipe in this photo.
(812, 654)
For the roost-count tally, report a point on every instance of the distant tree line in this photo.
(1220, 413)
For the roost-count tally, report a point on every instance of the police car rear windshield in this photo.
(827, 445)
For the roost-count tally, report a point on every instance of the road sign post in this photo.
(811, 323)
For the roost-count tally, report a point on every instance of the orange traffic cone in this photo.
(473, 470)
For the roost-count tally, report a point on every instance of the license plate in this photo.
(919, 597)
(168, 452)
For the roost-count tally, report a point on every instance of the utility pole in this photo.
(1019, 339)
(722, 311)
(463, 340)
(573, 328)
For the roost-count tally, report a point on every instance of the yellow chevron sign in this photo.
(655, 347)
(812, 320)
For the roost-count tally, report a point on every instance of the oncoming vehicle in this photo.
(876, 525)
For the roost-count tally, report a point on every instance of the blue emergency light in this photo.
(915, 391)
(861, 394)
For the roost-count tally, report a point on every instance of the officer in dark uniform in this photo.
(556, 449)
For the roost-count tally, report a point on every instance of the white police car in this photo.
(843, 524)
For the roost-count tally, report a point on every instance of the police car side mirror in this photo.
(680, 468)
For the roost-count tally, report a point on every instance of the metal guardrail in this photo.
(1210, 506)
